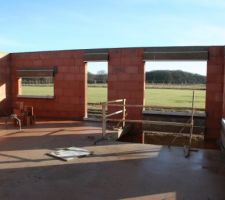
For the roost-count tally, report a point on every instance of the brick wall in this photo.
(69, 83)
(224, 83)
(5, 90)
(214, 92)
(126, 79)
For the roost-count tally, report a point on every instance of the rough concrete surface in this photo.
(115, 171)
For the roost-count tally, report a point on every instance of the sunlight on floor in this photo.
(105, 153)
(161, 196)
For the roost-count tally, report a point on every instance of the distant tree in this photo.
(91, 78)
(101, 72)
(101, 76)
(174, 77)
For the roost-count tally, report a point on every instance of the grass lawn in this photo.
(97, 94)
(157, 97)
(38, 90)
(153, 97)
(174, 98)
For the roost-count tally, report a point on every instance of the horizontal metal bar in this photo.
(171, 132)
(127, 105)
(114, 113)
(114, 101)
(152, 122)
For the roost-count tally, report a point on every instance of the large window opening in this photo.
(168, 93)
(36, 87)
(171, 84)
(97, 87)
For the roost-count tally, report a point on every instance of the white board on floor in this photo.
(69, 153)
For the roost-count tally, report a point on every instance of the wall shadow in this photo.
(119, 179)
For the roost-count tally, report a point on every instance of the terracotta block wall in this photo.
(5, 85)
(224, 84)
(214, 92)
(126, 79)
(69, 83)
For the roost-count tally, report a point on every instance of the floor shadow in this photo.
(46, 141)
(50, 135)
(119, 179)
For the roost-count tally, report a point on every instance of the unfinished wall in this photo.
(214, 92)
(126, 79)
(224, 82)
(5, 82)
(69, 83)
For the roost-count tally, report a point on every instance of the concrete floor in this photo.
(115, 171)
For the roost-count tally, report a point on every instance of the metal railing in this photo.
(122, 103)
(105, 117)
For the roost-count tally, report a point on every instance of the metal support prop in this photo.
(103, 119)
(187, 148)
(124, 112)
(103, 137)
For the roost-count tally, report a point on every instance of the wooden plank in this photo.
(114, 113)
(115, 101)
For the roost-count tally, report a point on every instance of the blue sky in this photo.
(76, 24)
(193, 67)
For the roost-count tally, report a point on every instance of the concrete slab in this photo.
(115, 171)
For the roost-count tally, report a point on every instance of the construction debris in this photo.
(70, 153)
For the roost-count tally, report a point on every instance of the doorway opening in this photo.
(97, 82)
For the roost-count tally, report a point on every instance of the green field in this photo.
(153, 96)
(37, 90)
(162, 86)
(157, 97)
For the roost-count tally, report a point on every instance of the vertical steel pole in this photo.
(124, 112)
(103, 119)
(192, 118)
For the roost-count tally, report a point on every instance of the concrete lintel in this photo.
(96, 57)
(179, 55)
(96, 51)
(177, 49)
(36, 71)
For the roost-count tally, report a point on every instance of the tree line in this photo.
(174, 77)
(157, 76)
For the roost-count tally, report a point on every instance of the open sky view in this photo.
(59, 24)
